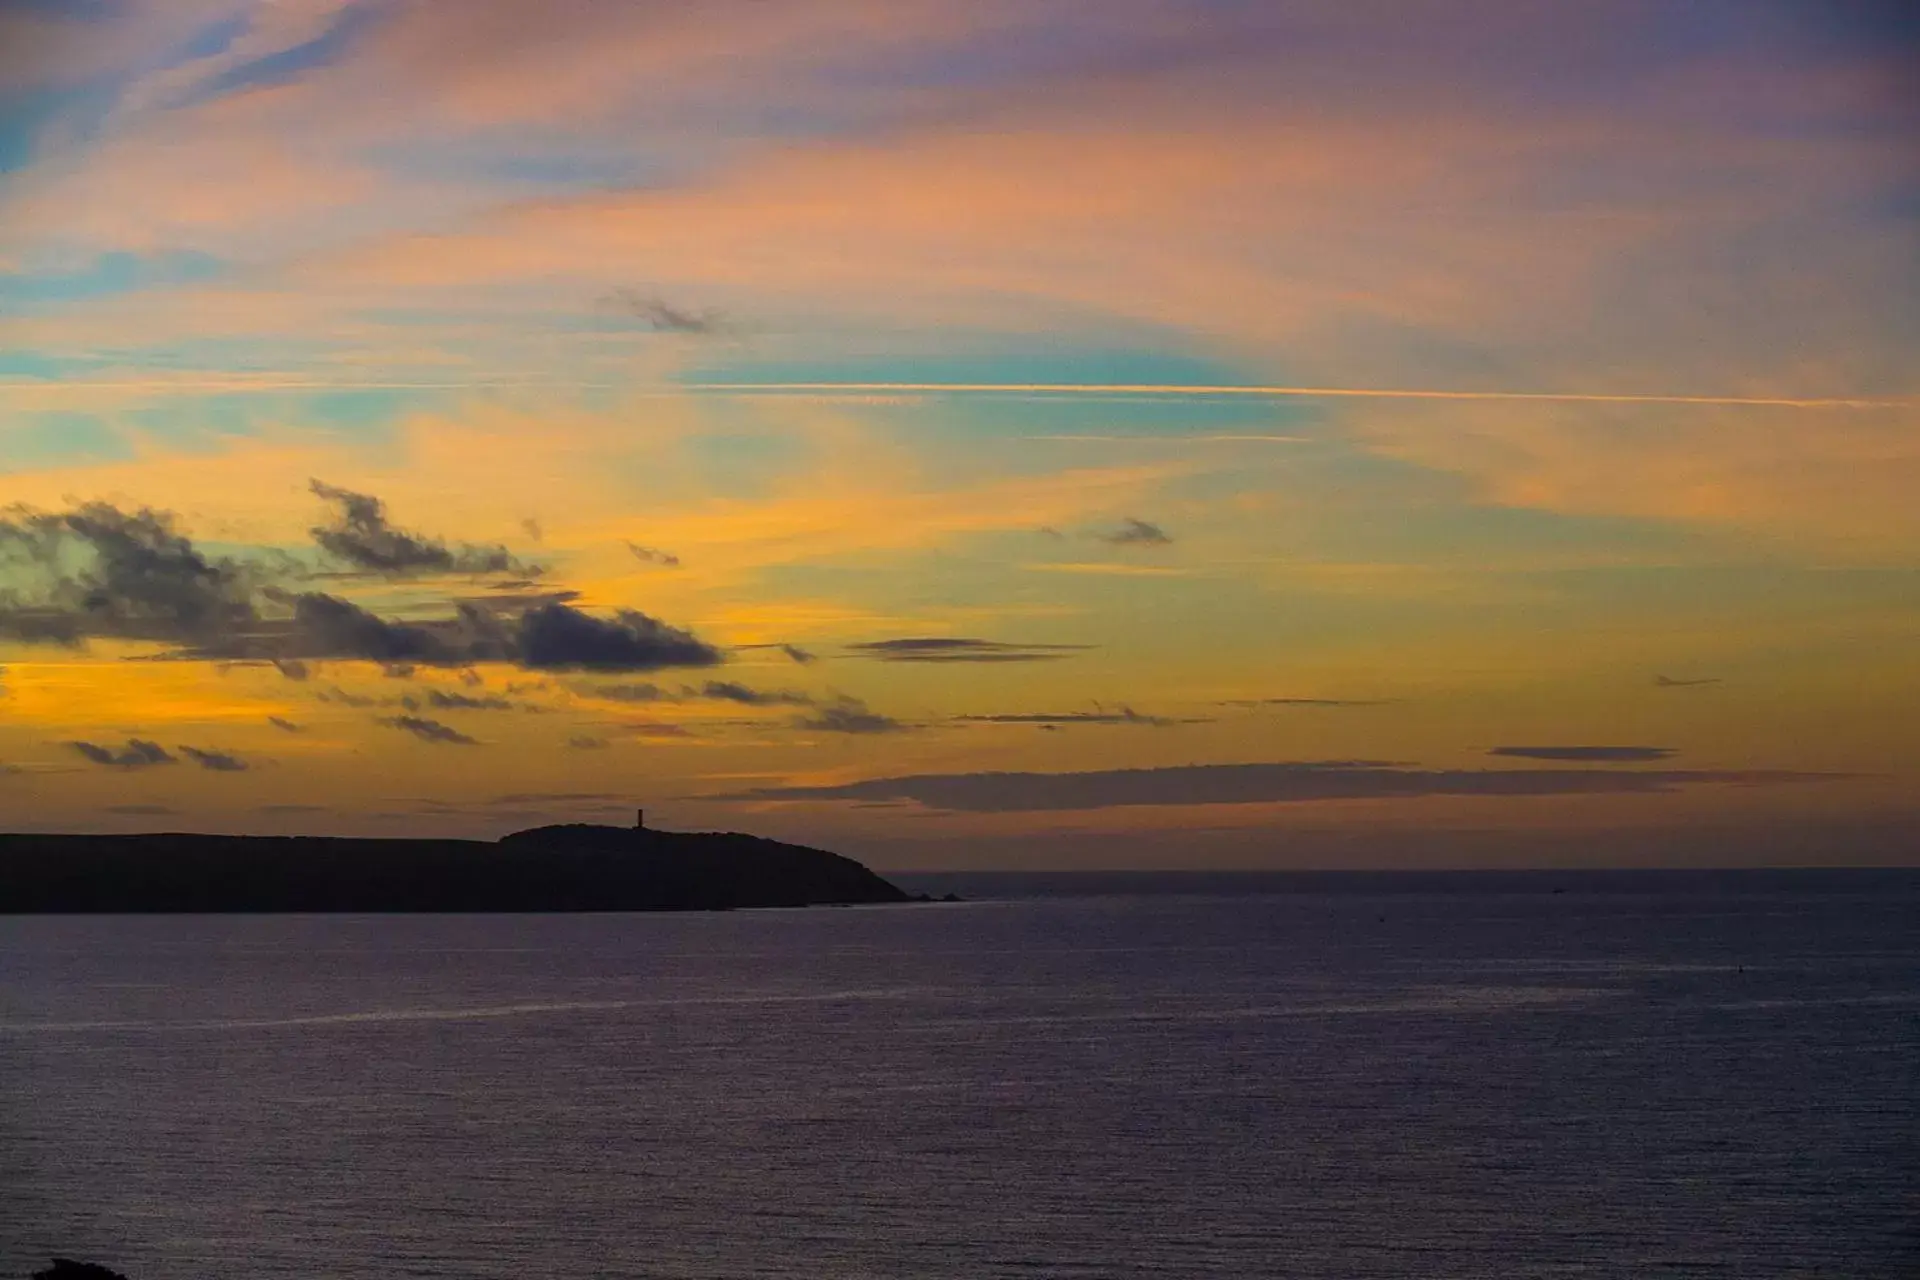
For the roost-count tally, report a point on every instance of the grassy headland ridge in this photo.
(558, 868)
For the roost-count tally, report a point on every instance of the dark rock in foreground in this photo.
(564, 868)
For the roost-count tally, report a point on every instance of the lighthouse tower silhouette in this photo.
(639, 819)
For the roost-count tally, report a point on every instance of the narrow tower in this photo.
(639, 819)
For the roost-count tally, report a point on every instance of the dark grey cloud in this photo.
(1592, 755)
(142, 754)
(587, 742)
(1134, 532)
(478, 633)
(1055, 719)
(429, 730)
(848, 715)
(1669, 682)
(99, 571)
(1271, 783)
(642, 692)
(29, 622)
(343, 698)
(550, 635)
(728, 691)
(288, 726)
(532, 529)
(804, 657)
(557, 638)
(449, 701)
(664, 317)
(960, 649)
(362, 537)
(654, 555)
(398, 670)
(137, 754)
(215, 761)
(326, 626)
(292, 808)
(649, 729)
(712, 690)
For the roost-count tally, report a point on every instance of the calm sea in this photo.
(1342, 1076)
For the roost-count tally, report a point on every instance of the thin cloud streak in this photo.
(1125, 390)
(1587, 754)
(1281, 782)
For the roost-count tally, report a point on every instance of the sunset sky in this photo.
(1004, 433)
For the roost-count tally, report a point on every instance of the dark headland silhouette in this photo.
(573, 867)
(68, 1269)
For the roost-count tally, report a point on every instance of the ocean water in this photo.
(1634, 1075)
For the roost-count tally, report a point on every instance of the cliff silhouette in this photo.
(556, 868)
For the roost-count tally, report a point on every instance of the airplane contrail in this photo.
(1210, 437)
(1263, 392)
(1122, 389)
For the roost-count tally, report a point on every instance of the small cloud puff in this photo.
(1134, 532)
(429, 730)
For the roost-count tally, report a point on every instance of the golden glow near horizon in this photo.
(1472, 438)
